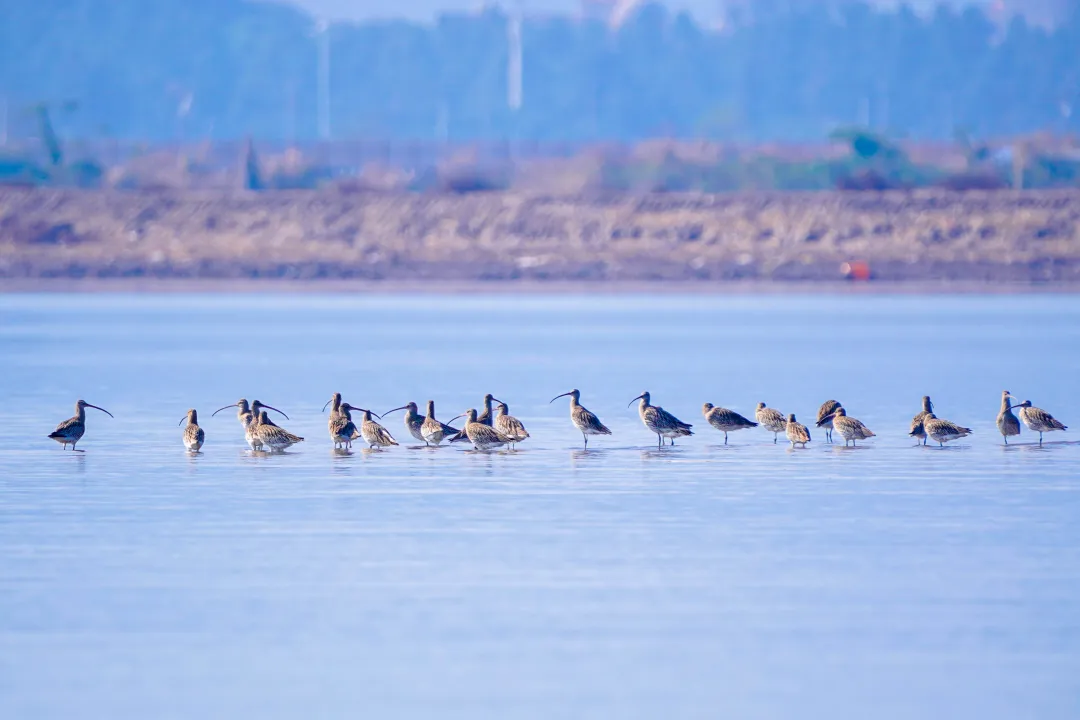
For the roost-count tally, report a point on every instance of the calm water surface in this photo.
(749, 581)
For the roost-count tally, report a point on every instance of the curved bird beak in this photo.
(495, 399)
(327, 403)
(182, 420)
(456, 417)
(271, 407)
(394, 410)
(639, 397)
(101, 409)
(224, 408)
(369, 411)
(558, 396)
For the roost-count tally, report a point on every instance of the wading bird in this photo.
(249, 418)
(270, 435)
(342, 428)
(725, 420)
(193, 434)
(797, 434)
(583, 420)
(824, 417)
(435, 432)
(509, 425)
(771, 419)
(942, 431)
(482, 437)
(917, 430)
(1007, 424)
(71, 430)
(1038, 419)
(849, 428)
(374, 434)
(660, 421)
(414, 421)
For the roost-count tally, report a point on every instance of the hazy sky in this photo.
(706, 10)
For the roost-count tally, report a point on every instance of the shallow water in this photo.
(743, 581)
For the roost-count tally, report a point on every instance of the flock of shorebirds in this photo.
(490, 430)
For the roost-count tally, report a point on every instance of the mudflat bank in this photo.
(917, 236)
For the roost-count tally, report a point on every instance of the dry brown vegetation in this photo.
(918, 235)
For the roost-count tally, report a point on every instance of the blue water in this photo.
(749, 581)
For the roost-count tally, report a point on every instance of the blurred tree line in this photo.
(185, 70)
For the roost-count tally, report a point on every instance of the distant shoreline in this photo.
(919, 241)
(525, 287)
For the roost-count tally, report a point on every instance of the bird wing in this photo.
(64, 428)
(486, 434)
(771, 417)
(587, 419)
(511, 427)
(381, 434)
(667, 420)
(730, 417)
(1045, 418)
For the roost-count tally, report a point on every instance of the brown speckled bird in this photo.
(414, 421)
(194, 437)
(825, 417)
(434, 431)
(725, 420)
(270, 435)
(917, 430)
(71, 430)
(1038, 419)
(849, 428)
(374, 434)
(342, 428)
(482, 437)
(660, 421)
(1007, 424)
(509, 425)
(942, 431)
(771, 419)
(797, 434)
(583, 420)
